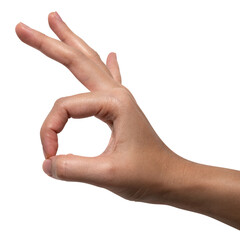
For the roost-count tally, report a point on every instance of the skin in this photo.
(136, 164)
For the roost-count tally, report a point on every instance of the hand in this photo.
(135, 162)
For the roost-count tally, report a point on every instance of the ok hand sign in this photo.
(135, 162)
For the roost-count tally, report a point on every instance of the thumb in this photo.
(94, 170)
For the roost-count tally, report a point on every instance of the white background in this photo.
(181, 61)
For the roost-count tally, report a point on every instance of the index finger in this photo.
(76, 106)
(85, 70)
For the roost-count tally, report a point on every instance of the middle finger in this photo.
(66, 35)
(86, 71)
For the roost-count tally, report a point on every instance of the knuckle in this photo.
(40, 42)
(41, 132)
(61, 168)
(59, 102)
(110, 171)
(70, 59)
(94, 55)
(122, 97)
(45, 132)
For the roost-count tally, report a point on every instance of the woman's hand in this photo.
(136, 162)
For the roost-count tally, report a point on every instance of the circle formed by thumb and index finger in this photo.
(76, 106)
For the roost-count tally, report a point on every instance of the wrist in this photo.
(179, 180)
(184, 185)
(169, 179)
(209, 190)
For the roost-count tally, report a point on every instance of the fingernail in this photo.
(58, 16)
(25, 26)
(47, 167)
